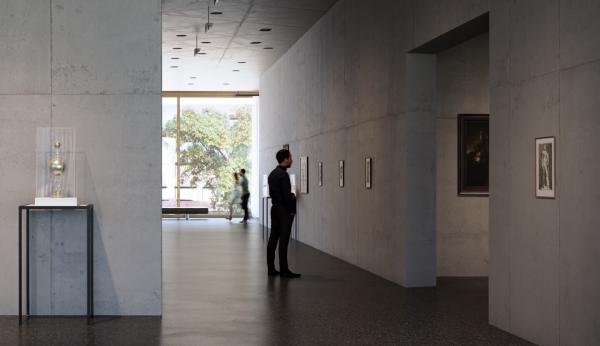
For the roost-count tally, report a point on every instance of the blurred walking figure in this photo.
(282, 215)
(245, 195)
(236, 194)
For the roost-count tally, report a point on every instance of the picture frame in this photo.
(265, 186)
(341, 172)
(304, 175)
(368, 172)
(294, 188)
(320, 174)
(473, 155)
(545, 167)
(286, 146)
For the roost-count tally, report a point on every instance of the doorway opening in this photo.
(462, 162)
(448, 80)
(206, 138)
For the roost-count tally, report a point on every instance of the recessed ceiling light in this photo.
(236, 70)
(265, 29)
(225, 83)
(241, 62)
(190, 83)
(174, 66)
(216, 12)
(202, 53)
(205, 42)
(177, 48)
(268, 48)
(181, 35)
(175, 58)
(255, 42)
(193, 77)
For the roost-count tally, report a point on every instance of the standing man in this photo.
(282, 215)
(245, 194)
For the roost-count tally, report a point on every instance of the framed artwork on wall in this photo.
(473, 154)
(286, 146)
(265, 187)
(341, 173)
(545, 167)
(320, 173)
(368, 172)
(293, 184)
(304, 174)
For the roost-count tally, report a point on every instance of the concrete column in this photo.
(419, 234)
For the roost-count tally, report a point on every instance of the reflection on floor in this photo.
(216, 292)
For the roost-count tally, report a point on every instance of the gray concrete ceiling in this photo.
(229, 42)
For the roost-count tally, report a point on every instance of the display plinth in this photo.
(56, 202)
(89, 209)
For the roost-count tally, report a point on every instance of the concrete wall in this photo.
(462, 222)
(342, 93)
(545, 75)
(94, 66)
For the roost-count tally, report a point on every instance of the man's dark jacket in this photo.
(280, 190)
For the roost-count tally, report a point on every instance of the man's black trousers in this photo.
(281, 228)
(245, 198)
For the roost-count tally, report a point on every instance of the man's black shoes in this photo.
(284, 274)
(288, 274)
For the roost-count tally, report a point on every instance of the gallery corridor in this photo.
(216, 292)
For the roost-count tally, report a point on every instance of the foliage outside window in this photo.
(214, 145)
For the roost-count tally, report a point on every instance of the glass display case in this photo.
(56, 168)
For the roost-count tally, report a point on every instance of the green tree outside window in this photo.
(214, 144)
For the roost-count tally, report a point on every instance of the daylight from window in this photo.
(211, 138)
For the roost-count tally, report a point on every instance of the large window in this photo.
(205, 141)
(169, 154)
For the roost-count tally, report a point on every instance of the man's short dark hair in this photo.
(243, 171)
(282, 154)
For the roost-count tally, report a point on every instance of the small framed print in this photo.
(545, 167)
(341, 173)
(286, 146)
(368, 162)
(320, 174)
(265, 188)
(294, 189)
(304, 175)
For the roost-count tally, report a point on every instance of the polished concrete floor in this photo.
(216, 292)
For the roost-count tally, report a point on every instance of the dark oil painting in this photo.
(473, 154)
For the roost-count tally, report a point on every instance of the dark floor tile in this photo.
(216, 292)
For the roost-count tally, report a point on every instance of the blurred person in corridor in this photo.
(245, 195)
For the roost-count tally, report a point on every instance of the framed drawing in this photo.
(286, 146)
(265, 189)
(473, 154)
(304, 174)
(341, 173)
(320, 173)
(293, 184)
(545, 167)
(368, 172)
